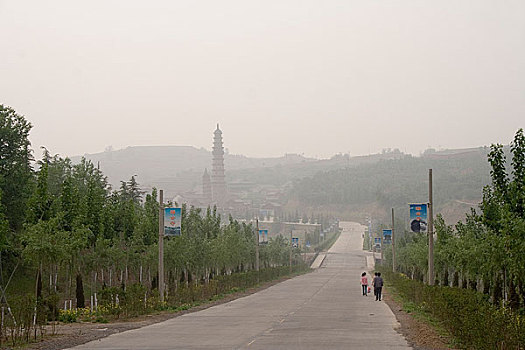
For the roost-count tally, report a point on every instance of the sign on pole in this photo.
(377, 240)
(418, 217)
(172, 221)
(263, 236)
(387, 236)
(295, 242)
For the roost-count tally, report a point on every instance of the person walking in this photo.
(374, 283)
(378, 285)
(364, 283)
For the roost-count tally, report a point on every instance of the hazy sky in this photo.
(280, 76)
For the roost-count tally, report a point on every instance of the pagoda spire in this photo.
(218, 183)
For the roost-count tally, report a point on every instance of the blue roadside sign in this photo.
(418, 217)
(172, 221)
(387, 236)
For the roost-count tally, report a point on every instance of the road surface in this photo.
(320, 310)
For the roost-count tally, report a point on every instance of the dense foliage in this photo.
(485, 252)
(474, 322)
(15, 169)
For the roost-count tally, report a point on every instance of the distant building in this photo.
(206, 187)
(218, 182)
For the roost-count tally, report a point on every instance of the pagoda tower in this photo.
(218, 183)
(206, 186)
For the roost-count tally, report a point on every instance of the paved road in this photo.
(320, 310)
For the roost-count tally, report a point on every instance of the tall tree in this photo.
(15, 167)
(134, 190)
(92, 189)
(41, 201)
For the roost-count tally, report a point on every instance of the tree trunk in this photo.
(473, 284)
(464, 282)
(38, 291)
(514, 298)
(445, 278)
(69, 282)
(189, 277)
(122, 285)
(486, 285)
(80, 292)
(497, 292)
(154, 282)
(56, 278)
(455, 281)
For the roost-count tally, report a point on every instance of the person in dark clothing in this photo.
(374, 282)
(378, 286)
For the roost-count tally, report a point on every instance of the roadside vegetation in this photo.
(479, 292)
(74, 249)
(327, 243)
(467, 315)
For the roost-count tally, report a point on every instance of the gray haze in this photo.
(312, 77)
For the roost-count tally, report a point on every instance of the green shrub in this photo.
(109, 301)
(68, 316)
(134, 301)
(465, 313)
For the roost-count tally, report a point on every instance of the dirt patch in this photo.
(419, 334)
(73, 334)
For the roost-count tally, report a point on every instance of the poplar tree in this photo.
(15, 168)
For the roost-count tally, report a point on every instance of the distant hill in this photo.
(374, 188)
(350, 186)
(176, 168)
(281, 174)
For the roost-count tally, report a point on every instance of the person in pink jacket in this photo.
(364, 283)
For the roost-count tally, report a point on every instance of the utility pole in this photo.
(291, 248)
(393, 245)
(381, 240)
(257, 248)
(161, 245)
(370, 243)
(430, 232)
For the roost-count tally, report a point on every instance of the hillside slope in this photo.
(458, 180)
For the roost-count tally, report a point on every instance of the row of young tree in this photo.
(485, 252)
(64, 222)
